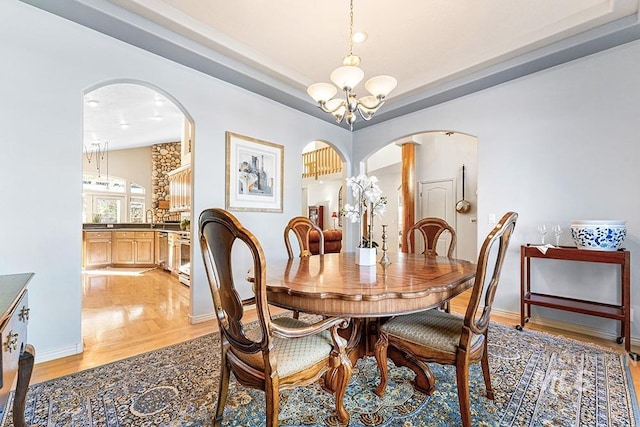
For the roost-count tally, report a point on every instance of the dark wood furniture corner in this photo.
(17, 356)
(620, 312)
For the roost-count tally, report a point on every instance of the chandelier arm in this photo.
(367, 112)
(87, 153)
(366, 115)
(103, 150)
(323, 106)
(373, 107)
(352, 101)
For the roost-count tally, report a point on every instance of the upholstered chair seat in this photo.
(434, 329)
(293, 355)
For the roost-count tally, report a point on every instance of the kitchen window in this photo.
(136, 210)
(111, 200)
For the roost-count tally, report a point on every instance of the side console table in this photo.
(620, 312)
(17, 356)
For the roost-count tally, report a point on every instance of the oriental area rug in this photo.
(539, 380)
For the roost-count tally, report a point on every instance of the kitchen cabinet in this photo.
(186, 142)
(133, 247)
(97, 248)
(180, 189)
(162, 248)
(174, 253)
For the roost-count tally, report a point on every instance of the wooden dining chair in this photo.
(273, 354)
(434, 336)
(431, 229)
(302, 226)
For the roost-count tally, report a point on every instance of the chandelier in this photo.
(98, 152)
(347, 78)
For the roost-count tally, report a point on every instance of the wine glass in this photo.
(542, 229)
(557, 231)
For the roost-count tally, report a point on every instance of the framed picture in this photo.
(255, 174)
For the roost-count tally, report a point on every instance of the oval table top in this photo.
(334, 285)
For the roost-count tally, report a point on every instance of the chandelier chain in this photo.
(351, 29)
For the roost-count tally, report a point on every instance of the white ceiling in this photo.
(148, 117)
(420, 42)
(436, 49)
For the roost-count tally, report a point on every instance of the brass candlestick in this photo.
(385, 258)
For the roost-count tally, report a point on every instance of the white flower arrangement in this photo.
(369, 201)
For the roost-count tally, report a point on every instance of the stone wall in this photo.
(164, 159)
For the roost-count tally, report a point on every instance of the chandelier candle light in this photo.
(346, 78)
(371, 202)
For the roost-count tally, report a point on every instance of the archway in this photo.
(323, 190)
(439, 157)
(142, 134)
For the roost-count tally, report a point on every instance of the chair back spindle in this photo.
(493, 249)
(301, 227)
(431, 229)
(218, 233)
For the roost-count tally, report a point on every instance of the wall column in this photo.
(408, 187)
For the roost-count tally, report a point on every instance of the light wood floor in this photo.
(127, 315)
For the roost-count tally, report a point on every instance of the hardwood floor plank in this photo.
(124, 316)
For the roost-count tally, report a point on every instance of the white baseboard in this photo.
(59, 352)
(569, 327)
(202, 318)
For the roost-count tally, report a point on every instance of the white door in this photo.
(437, 200)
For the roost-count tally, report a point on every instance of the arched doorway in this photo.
(140, 134)
(439, 157)
(323, 190)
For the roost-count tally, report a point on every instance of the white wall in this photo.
(389, 179)
(386, 156)
(386, 165)
(53, 62)
(555, 146)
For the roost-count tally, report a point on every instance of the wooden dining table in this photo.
(334, 285)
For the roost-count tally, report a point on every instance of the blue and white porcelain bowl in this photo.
(600, 235)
